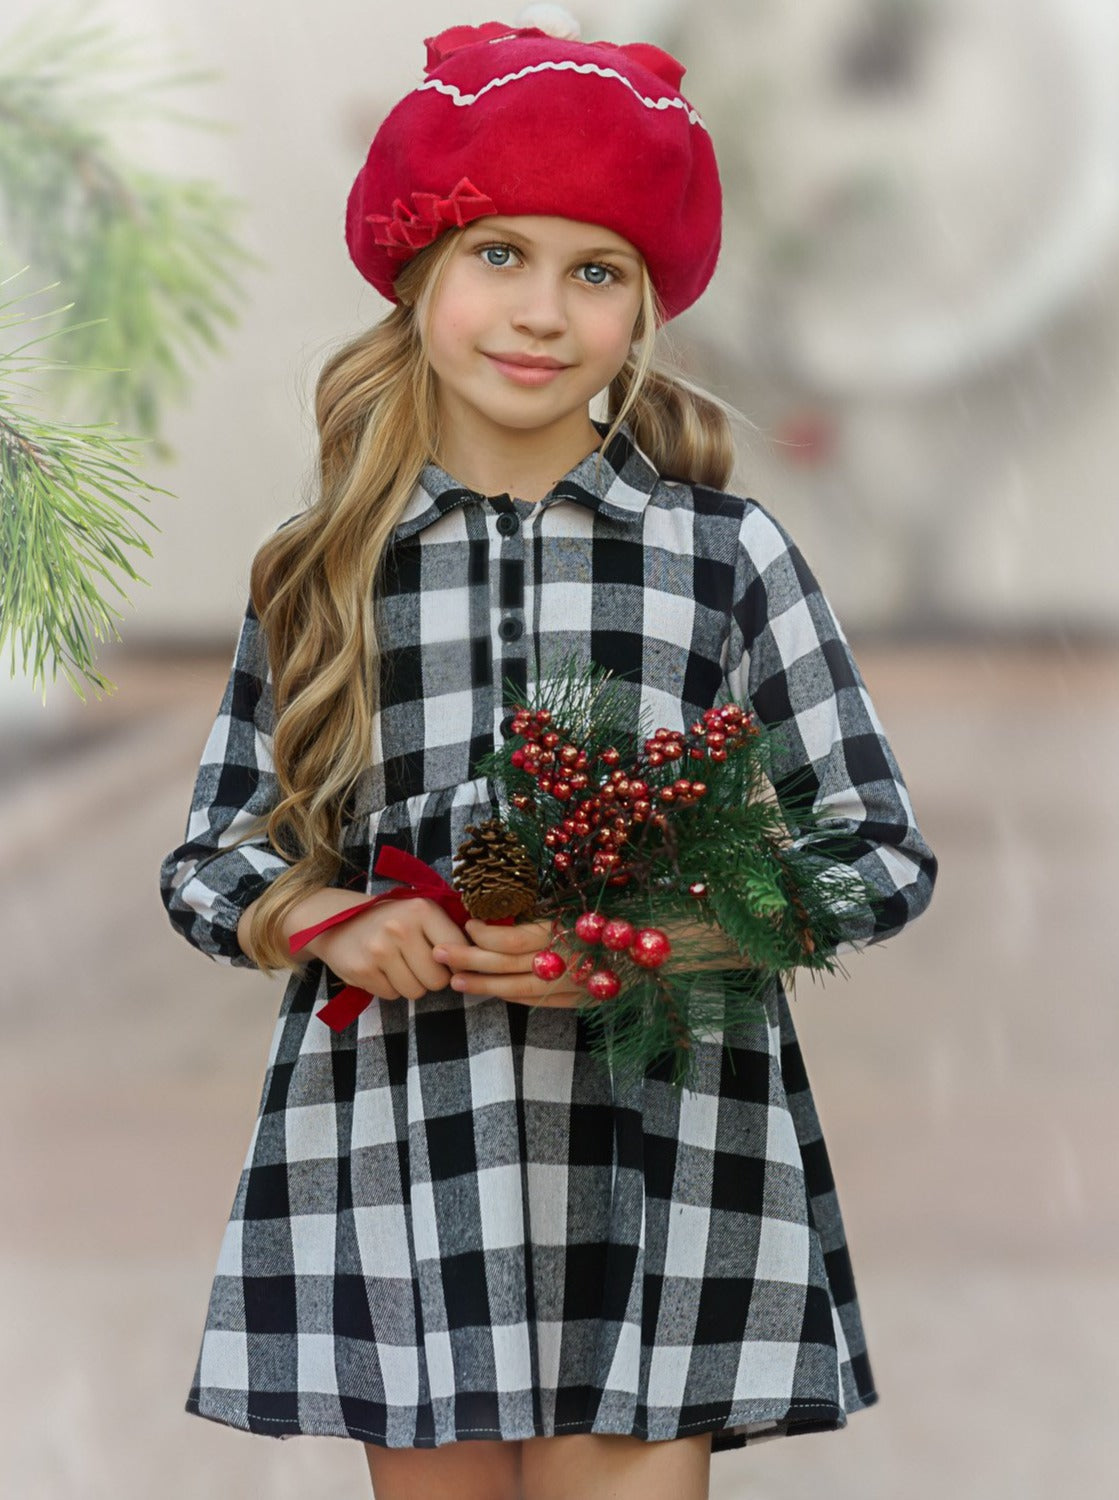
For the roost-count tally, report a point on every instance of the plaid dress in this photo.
(452, 1223)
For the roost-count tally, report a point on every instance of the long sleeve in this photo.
(787, 655)
(206, 884)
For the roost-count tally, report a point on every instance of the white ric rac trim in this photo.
(459, 98)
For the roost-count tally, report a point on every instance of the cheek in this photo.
(452, 331)
(456, 319)
(614, 335)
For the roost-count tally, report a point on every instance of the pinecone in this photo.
(493, 873)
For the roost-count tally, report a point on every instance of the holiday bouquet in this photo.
(613, 834)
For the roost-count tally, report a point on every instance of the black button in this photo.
(507, 523)
(510, 629)
(507, 725)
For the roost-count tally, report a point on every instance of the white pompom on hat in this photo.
(551, 19)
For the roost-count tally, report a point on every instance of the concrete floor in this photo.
(964, 1075)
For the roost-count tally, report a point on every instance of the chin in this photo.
(524, 419)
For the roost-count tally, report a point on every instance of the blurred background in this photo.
(916, 310)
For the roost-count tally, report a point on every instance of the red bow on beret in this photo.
(406, 229)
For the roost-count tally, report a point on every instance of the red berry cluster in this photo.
(719, 731)
(600, 817)
(647, 946)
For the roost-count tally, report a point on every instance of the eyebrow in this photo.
(618, 251)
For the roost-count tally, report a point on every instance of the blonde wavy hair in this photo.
(375, 407)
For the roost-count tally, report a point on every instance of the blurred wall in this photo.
(915, 306)
(917, 296)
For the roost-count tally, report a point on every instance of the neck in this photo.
(524, 463)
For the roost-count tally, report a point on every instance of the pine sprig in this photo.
(65, 521)
(652, 1026)
(595, 704)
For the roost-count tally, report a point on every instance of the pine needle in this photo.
(67, 496)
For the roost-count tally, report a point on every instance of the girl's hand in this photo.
(701, 946)
(498, 961)
(387, 950)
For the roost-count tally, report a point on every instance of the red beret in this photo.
(513, 121)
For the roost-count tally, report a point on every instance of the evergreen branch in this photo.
(64, 520)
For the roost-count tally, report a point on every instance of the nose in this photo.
(540, 308)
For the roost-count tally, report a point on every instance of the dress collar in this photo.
(626, 481)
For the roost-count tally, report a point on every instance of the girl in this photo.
(456, 1238)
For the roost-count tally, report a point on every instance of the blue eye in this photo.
(597, 265)
(500, 250)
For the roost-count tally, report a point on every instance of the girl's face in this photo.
(531, 286)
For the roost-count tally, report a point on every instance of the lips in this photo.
(517, 372)
(529, 361)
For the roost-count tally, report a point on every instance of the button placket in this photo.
(510, 625)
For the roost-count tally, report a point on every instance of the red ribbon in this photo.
(420, 880)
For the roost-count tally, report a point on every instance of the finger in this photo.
(461, 956)
(522, 937)
(430, 976)
(437, 927)
(355, 965)
(509, 986)
(455, 955)
(402, 972)
(421, 979)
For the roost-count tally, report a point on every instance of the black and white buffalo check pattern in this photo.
(452, 1223)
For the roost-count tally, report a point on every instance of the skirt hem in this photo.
(789, 1419)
